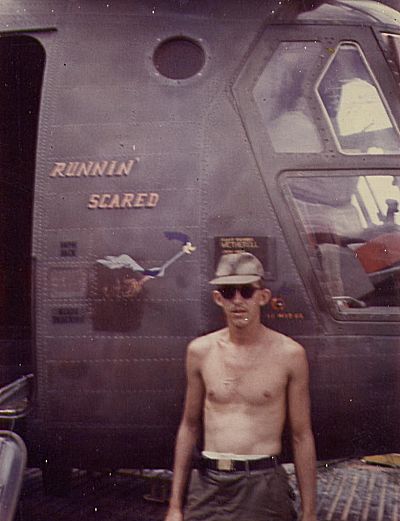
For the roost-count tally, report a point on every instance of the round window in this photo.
(179, 58)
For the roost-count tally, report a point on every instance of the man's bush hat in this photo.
(238, 268)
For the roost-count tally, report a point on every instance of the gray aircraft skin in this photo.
(139, 141)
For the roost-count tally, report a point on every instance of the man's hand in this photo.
(174, 514)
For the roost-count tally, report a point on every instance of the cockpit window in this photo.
(355, 106)
(280, 95)
(391, 44)
(351, 226)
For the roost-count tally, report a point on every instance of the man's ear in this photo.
(265, 296)
(217, 297)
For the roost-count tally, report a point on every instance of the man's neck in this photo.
(246, 336)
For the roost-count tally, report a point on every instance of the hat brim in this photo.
(235, 279)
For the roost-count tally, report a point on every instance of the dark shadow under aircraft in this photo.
(138, 142)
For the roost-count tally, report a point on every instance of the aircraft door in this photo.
(21, 70)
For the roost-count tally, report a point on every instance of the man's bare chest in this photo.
(243, 380)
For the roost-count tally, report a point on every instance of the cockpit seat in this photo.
(343, 272)
(380, 253)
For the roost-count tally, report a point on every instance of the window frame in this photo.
(330, 37)
(373, 313)
(376, 84)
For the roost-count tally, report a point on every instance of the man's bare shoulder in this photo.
(287, 347)
(201, 345)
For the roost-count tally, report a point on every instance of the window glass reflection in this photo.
(352, 228)
(355, 106)
(391, 43)
(280, 97)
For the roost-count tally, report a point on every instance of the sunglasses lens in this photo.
(228, 292)
(247, 291)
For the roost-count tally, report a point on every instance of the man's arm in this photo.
(302, 436)
(188, 432)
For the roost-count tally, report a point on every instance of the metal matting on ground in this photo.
(347, 491)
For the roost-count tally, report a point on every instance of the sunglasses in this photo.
(246, 291)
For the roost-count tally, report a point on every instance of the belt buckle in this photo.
(225, 464)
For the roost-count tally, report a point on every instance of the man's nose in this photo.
(237, 296)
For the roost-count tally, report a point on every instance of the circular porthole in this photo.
(179, 58)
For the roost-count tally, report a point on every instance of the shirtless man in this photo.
(241, 380)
